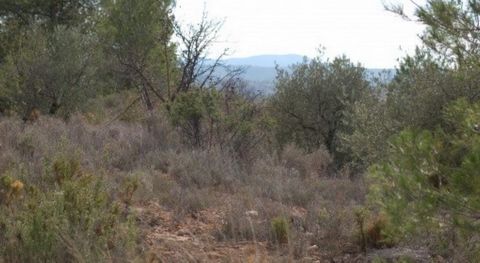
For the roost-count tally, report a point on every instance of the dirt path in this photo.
(191, 239)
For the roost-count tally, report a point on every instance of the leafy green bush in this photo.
(62, 57)
(311, 101)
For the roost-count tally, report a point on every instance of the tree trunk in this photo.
(197, 140)
(146, 99)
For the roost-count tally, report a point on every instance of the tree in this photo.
(49, 13)
(311, 101)
(422, 87)
(371, 125)
(50, 72)
(430, 181)
(441, 71)
(16, 16)
(229, 118)
(137, 34)
(445, 68)
(197, 70)
(452, 28)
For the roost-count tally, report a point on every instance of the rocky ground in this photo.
(192, 239)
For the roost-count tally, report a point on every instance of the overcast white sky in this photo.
(360, 29)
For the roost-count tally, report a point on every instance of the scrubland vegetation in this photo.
(118, 144)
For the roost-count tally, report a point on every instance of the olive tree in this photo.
(53, 73)
(311, 101)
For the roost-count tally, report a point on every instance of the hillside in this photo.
(120, 143)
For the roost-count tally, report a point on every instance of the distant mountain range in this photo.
(260, 70)
(266, 61)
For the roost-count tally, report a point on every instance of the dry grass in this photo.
(144, 162)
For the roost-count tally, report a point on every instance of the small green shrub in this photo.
(64, 167)
(280, 229)
(129, 187)
(76, 221)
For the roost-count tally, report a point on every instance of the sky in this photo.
(359, 29)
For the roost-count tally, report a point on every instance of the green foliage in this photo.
(373, 230)
(194, 105)
(10, 189)
(452, 29)
(209, 118)
(412, 99)
(430, 180)
(443, 70)
(371, 126)
(280, 229)
(190, 109)
(137, 34)
(310, 103)
(421, 89)
(53, 73)
(65, 168)
(129, 187)
(137, 27)
(19, 16)
(75, 222)
(50, 13)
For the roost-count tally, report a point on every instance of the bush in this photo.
(376, 234)
(65, 168)
(332, 226)
(279, 184)
(62, 57)
(10, 189)
(188, 202)
(430, 183)
(280, 229)
(204, 168)
(249, 218)
(293, 159)
(315, 164)
(74, 221)
(372, 230)
(240, 226)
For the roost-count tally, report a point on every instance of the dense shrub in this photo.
(315, 164)
(76, 221)
(204, 168)
(430, 183)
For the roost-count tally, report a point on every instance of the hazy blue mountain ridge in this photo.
(260, 71)
(266, 61)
